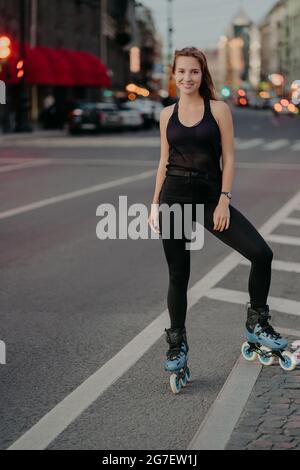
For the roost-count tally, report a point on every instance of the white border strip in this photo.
(291, 307)
(276, 144)
(291, 221)
(22, 166)
(284, 239)
(279, 265)
(219, 423)
(215, 430)
(74, 194)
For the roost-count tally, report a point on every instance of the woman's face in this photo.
(188, 74)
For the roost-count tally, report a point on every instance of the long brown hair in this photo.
(206, 89)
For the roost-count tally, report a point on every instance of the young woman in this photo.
(195, 132)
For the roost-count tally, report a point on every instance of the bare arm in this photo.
(227, 135)
(164, 154)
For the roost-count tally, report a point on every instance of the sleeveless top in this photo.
(196, 148)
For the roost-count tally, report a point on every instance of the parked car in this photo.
(145, 107)
(94, 117)
(131, 118)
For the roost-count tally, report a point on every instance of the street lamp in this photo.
(5, 50)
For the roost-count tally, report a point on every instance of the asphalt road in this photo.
(70, 302)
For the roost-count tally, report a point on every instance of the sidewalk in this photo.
(37, 133)
(271, 417)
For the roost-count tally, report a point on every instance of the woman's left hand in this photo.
(221, 216)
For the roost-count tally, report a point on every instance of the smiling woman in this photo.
(196, 136)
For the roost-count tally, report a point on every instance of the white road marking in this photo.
(22, 166)
(296, 146)
(219, 423)
(104, 161)
(292, 307)
(279, 265)
(154, 163)
(249, 144)
(277, 144)
(75, 194)
(215, 430)
(268, 166)
(64, 413)
(291, 221)
(92, 142)
(136, 141)
(284, 239)
(10, 160)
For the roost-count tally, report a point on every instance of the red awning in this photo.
(61, 67)
(80, 68)
(99, 72)
(38, 68)
(58, 67)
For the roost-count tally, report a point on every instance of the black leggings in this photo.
(242, 237)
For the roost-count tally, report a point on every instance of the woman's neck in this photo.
(191, 101)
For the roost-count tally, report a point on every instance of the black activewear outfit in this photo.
(194, 176)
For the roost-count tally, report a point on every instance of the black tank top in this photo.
(198, 147)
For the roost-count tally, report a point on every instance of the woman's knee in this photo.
(263, 254)
(179, 276)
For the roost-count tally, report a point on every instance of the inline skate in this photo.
(264, 342)
(177, 357)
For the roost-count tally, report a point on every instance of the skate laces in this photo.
(176, 345)
(175, 352)
(267, 328)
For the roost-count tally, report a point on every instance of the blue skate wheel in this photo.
(289, 362)
(183, 380)
(266, 359)
(188, 374)
(248, 353)
(175, 383)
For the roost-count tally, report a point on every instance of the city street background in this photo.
(71, 302)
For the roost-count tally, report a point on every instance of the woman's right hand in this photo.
(153, 219)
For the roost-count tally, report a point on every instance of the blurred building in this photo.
(273, 39)
(280, 33)
(212, 57)
(79, 49)
(239, 53)
(151, 49)
(141, 47)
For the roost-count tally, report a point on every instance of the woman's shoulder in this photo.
(219, 105)
(219, 109)
(167, 112)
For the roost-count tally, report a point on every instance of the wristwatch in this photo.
(229, 195)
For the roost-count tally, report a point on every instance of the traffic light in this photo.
(20, 69)
(226, 92)
(241, 93)
(5, 47)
